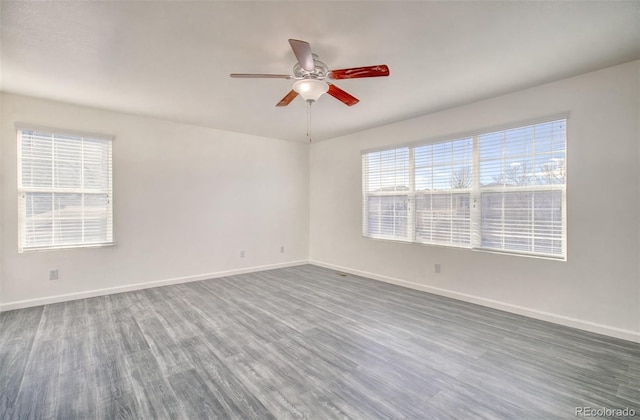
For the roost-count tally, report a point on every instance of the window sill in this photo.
(64, 248)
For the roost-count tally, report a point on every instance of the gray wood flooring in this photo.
(302, 342)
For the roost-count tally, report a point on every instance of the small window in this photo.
(65, 190)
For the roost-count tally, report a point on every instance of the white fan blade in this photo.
(302, 51)
(260, 76)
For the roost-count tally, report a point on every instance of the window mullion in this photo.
(82, 211)
(53, 185)
(411, 197)
(476, 210)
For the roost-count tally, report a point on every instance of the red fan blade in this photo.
(357, 72)
(288, 98)
(260, 76)
(302, 51)
(342, 96)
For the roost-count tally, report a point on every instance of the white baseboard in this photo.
(138, 286)
(507, 307)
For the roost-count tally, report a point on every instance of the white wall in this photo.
(187, 199)
(598, 288)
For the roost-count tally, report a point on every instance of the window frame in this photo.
(23, 190)
(475, 191)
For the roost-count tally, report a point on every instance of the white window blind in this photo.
(386, 188)
(522, 177)
(65, 190)
(443, 181)
(503, 191)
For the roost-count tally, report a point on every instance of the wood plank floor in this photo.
(302, 342)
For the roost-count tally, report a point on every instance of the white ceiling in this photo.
(172, 59)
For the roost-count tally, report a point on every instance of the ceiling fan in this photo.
(310, 73)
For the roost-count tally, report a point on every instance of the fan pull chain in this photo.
(309, 120)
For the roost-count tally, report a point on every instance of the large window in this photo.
(501, 190)
(64, 188)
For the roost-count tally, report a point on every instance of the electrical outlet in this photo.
(53, 274)
(438, 268)
(282, 250)
(241, 254)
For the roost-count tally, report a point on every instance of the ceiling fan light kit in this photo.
(310, 89)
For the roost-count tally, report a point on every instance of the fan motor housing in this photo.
(319, 72)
